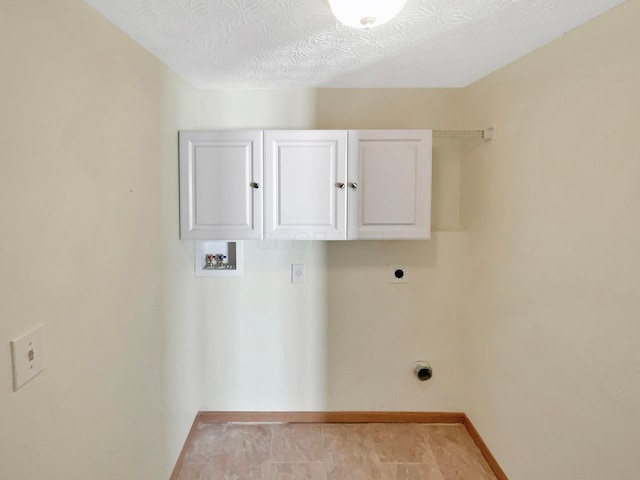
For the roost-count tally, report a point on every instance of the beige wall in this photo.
(547, 365)
(87, 129)
(377, 330)
(135, 344)
(552, 206)
(260, 342)
(347, 339)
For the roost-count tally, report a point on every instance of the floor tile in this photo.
(240, 442)
(333, 452)
(297, 471)
(205, 441)
(227, 468)
(195, 471)
(356, 470)
(402, 443)
(418, 472)
(349, 443)
(456, 454)
(297, 442)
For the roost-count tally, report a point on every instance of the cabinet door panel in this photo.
(392, 170)
(217, 169)
(303, 201)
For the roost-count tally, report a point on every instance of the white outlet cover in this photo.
(27, 354)
(394, 277)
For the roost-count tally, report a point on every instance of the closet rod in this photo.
(485, 134)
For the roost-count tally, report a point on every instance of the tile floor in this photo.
(241, 451)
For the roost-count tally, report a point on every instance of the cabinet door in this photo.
(389, 184)
(305, 191)
(220, 185)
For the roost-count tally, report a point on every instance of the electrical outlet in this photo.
(27, 354)
(297, 273)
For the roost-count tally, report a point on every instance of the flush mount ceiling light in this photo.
(365, 13)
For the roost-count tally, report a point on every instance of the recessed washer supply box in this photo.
(228, 250)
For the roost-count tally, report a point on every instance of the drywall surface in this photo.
(552, 206)
(376, 329)
(135, 344)
(259, 340)
(87, 200)
(270, 345)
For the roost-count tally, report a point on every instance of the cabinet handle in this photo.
(353, 185)
(255, 185)
(340, 185)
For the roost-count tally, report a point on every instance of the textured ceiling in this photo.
(298, 43)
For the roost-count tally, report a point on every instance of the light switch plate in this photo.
(27, 354)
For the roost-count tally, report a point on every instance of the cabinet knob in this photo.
(255, 185)
(340, 185)
(353, 185)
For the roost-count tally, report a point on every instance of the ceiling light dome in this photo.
(365, 13)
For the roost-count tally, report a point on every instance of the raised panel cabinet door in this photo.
(221, 185)
(389, 184)
(305, 184)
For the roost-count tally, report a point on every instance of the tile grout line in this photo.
(270, 453)
(325, 453)
(436, 461)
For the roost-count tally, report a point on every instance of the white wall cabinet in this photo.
(221, 185)
(318, 184)
(389, 184)
(305, 183)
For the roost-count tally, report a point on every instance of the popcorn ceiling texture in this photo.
(298, 43)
